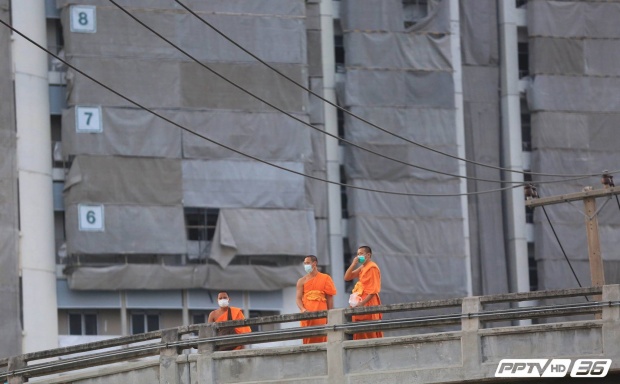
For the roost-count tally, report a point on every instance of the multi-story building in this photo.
(141, 173)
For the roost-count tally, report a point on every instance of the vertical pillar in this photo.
(471, 350)
(512, 151)
(34, 164)
(594, 244)
(335, 352)
(457, 75)
(334, 201)
(205, 355)
(16, 362)
(168, 367)
(611, 321)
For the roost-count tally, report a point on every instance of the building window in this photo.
(344, 200)
(199, 318)
(341, 132)
(524, 59)
(82, 324)
(520, 3)
(200, 223)
(526, 132)
(142, 322)
(414, 11)
(533, 267)
(339, 53)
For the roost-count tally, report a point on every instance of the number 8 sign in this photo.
(91, 218)
(83, 19)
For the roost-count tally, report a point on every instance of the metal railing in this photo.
(203, 336)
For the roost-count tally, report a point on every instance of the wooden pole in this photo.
(594, 244)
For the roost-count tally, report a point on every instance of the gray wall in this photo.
(10, 327)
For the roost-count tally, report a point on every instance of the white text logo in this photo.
(552, 368)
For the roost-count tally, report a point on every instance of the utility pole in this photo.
(591, 215)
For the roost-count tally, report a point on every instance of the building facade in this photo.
(189, 166)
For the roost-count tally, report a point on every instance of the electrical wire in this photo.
(294, 117)
(359, 117)
(577, 177)
(236, 150)
(562, 248)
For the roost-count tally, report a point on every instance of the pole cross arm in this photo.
(572, 197)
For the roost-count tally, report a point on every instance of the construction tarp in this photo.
(573, 96)
(160, 277)
(400, 77)
(139, 196)
(263, 232)
(125, 132)
(186, 84)
(237, 184)
(278, 38)
(123, 180)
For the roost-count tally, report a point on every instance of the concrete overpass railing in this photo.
(440, 341)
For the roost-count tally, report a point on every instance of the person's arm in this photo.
(330, 301)
(211, 318)
(366, 299)
(300, 293)
(352, 272)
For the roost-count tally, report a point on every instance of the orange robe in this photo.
(237, 314)
(369, 282)
(314, 300)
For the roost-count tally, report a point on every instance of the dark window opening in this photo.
(82, 324)
(520, 3)
(533, 267)
(526, 132)
(344, 200)
(341, 131)
(200, 223)
(524, 59)
(141, 323)
(339, 53)
(414, 11)
(199, 318)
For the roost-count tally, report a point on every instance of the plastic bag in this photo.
(354, 300)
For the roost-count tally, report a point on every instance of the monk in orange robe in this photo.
(221, 314)
(315, 292)
(368, 288)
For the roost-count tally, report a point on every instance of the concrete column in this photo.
(16, 362)
(512, 152)
(168, 367)
(459, 124)
(471, 350)
(204, 363)
(334, 201)
(611, 321)
(335, 352)
(34, 163)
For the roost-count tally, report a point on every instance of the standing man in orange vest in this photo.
(367, 288)
(315, 292)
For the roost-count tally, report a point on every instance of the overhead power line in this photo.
(242, 89)
(164, 118)
(225, 36)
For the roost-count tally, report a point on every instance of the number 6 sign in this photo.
(91, 218)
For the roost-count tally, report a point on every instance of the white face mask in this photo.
(308, 268)
(223, 302)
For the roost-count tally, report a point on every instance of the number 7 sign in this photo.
(88, 119)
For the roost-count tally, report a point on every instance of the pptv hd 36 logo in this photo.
(553, 368)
